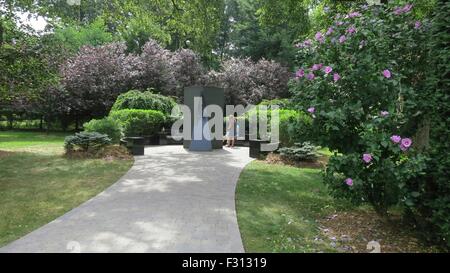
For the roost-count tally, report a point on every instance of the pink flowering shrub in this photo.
(380, 171)
(360, 79)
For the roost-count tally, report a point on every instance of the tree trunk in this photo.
(1, 32)
(76, 124)
(47, 128)
(422, 136)
(10, 118)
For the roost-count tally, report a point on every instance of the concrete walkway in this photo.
(171, 200)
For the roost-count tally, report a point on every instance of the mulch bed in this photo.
(352, 231)
(109, 153)
(273, 158)
(4, 154)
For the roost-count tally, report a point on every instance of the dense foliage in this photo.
(430, 208)
(137, 122)
(247, 82)
(299, 152)
(106, 126)
(144, 100)
(94, 73)
(86, 142)
(369, 82)
(292, 123)
(91, 52)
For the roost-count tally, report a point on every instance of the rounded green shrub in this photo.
(293, 126)
(299, 152)
(86, 142)
(107, 126)
(282, 103)
(146, 100)
(137, 122)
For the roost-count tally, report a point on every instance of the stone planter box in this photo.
(255, 148)
(134, 144)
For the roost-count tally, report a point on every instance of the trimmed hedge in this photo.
(293, 125)
(145, 101)
(107, 126)
(137, 122)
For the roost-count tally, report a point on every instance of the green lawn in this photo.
(38, 184)
(282, 208)
(277, 208)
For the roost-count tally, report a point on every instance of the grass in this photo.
(38, 184)
(34, 142)
(278, 207)
(283, 208)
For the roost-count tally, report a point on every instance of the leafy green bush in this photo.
(292, 127)
(107, 126)
(373, 84)
(136, 122)
(300, 152)
(86, 142)
(282, 103)
(430, 193)
(145, 101)
(380, 173)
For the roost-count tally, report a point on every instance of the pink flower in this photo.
(339, 23)
(319, 37)
(367, 158)
(306, 43)
(351, 30)
(349, 181)
(329, 31)
(328, 69)
(316, 67)
(354, 14)
(407, 8)
(406, 142)
(417, 25)
(384, 113)
(387, 73)
(396, 138)
(300, 73)
(311, 110)
(403, 148)
(342, 39)
(336, 77)
(400, 10)
(310, 76)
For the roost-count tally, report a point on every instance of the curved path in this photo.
(171, 200)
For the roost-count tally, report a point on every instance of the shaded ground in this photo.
(288, 209)
(353, 230)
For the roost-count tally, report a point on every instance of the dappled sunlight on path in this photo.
(171, 200)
